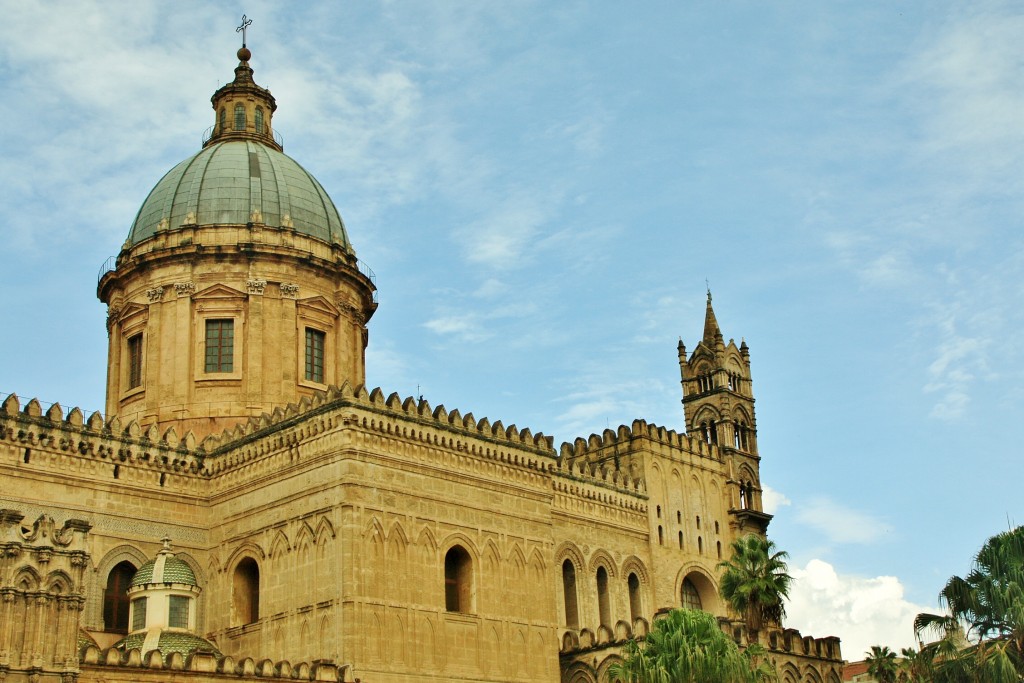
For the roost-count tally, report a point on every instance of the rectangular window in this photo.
(314, 355)
(135, 361)
(138, 614)
(220, 345)
(178, 612)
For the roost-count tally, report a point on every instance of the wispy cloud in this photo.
(839, 523)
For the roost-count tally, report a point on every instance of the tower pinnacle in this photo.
(711, 331)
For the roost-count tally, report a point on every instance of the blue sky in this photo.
(542, 189)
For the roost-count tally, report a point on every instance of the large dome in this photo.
(237, 182)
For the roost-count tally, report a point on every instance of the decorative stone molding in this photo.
(290, 290)
(185, 288)
(155, 294)
(256, 286)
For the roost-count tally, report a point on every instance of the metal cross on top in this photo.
(241, 29)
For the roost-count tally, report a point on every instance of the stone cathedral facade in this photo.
(247, 508)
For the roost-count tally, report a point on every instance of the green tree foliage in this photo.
(989, 604)
(756, 581)
(914, 666)
(688, 646)
(882, 664)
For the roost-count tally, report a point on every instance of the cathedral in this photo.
(247, 508)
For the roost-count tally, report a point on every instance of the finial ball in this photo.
(244, 54)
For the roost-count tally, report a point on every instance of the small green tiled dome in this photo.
(236, 182)
(170, 641)
(174, 571)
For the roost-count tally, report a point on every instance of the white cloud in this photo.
(772, 500)
(959, 359)
(465, 327)
(863, 611)
(839, 523)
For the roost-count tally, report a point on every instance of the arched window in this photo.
(743, 497)
(603, 604)
(239, 117)
(259, 120)
(246, 593)
(635, 608)
(700, 545)
(659, 512)
(458, 580)
(572, 615)
(689, 595)
(713, 430)
(223, 123)
(661, 535)
(680, 540)
(718, 545)
(115, 597)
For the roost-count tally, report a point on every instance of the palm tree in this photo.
(914, 666)
(882, 664)
(755, 581)
(688, 646)
(989, 602)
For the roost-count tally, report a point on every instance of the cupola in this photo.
(163, 596)
(237, 290)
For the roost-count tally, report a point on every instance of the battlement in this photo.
(139, 667)
(75, 435)
(593, 448)
(788, 640)
(347, 395)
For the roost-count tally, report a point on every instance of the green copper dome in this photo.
(236, 182)
(169, 570)
(170, 641)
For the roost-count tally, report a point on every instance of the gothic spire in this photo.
(711, 331)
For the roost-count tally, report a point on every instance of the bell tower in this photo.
(718, 405)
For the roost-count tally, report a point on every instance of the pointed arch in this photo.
(326, 631)
(59, 582)
(568, 550)
(305, 539)
(27, 579)
(96, 599)
(279, 546)
(602, 558)
(324, 530)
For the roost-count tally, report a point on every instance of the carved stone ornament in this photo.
(185, 288)
(289, 289)
(155, 294)
(256, 286)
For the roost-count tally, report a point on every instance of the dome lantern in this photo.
(242, 109)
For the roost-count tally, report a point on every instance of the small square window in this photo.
(315, 355)
(220, 345)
